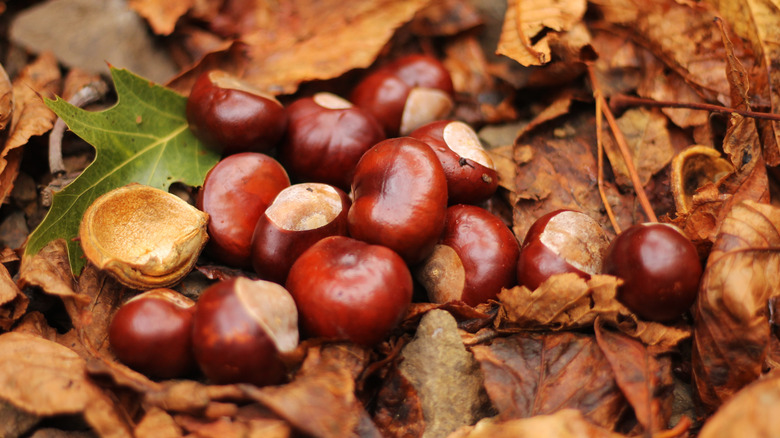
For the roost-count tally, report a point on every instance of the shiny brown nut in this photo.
(143, 236)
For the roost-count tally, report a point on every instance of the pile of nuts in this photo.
(385, 189)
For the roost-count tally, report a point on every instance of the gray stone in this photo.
(89, 33)
(446, 376)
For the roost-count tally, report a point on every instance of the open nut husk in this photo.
(692, 168)
(143, 236)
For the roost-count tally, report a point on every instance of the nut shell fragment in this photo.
(143, 236)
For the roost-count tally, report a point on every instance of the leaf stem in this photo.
(600, 158)
(623, 147)
(621, 100)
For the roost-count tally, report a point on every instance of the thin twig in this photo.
(91, 92)
(622, 100)
(624, 152)
(600, 173)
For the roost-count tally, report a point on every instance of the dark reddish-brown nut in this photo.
(400, 198)
(301, 215)
(235, 193)
(475, 258)
(326, 136)
(406, 94)
(471, 174)
(558, 242)
(230, 116)
(660, 269)
(152, 334)
(241, 329)
(346, 289)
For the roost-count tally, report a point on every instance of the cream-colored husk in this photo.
(143, 236)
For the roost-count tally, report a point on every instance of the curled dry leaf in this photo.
(45, 378)
(731, 313)
(645, 378)
(566, 423)
(526, 19)
(566, 301)
(538, 374)
(753, 411)
(143, 236)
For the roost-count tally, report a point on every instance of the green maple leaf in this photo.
(144, 138)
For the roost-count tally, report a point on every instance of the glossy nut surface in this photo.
(240, 328)
(143, 236)
(230, 116)
(326, 137)
(419, 70)
(235, 194)
(475, 258)
(152, 333)
(383, 95)
(406, 94)
(400, 198)
(301, 215)
(471, 174)
(660, 269)
(558, 242)
(348, 289)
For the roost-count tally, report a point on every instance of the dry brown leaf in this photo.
(731, 312)
(446, 18)
(321, 400)
(45, 378)
(104, 296)
(13, 303)
(683, 36)
(481, 98)
(619, 66)
(31, 116)
(556, 168)
(646, 379)
(284, 44)
(753, 412)
(398, 411)
(659, 84)
(158, 423)
(756, 22)
(50, 270)
(526, 19)
(538, 374)
(566, 423)
(161, 15)
(742, 144)
(566, 301)
(28, 115)
(648, 141)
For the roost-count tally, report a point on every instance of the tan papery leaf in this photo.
(731, 312)
(525, 19)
